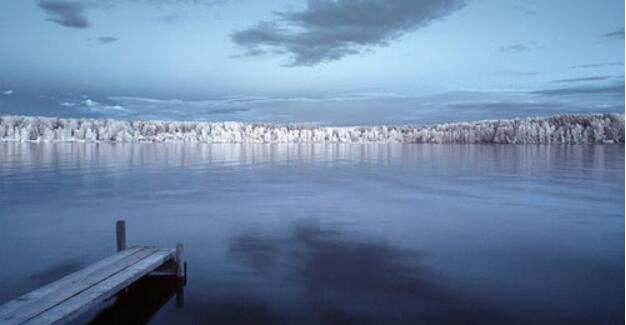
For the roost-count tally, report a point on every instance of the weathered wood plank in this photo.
(75, 286)
(88, 298)
(51, 287)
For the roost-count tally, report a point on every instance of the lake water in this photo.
(329, 234)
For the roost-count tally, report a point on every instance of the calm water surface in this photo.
(323, 234)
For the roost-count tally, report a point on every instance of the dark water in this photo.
(328, 234)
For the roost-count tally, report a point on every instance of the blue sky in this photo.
(317, 61)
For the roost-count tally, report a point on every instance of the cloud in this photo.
(617, 34)
(597, 78)
(518, 47)
(180, 109)
(330, 30)
(71, 13)
(8, 92)
(171, 18)
(96, 107)
(334, 106)
(598, 65)
(109, 107)
(65, 13)
(107, 39)
(189, 2)
(525, 10)
(613, 89)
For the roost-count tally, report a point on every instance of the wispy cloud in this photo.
(525, 9)
(8, 92)
(107, 39)
(613, 89)
(511, 107)
(519, 47)
(330, 30)
(186, 2)
(596, 78)
(171, 18)
(89, 105)
(616, 34)
(598, 65)
(71, 13)
(96, 107)
(65, 13)
(367, 106)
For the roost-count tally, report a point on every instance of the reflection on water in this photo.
(309, 234)
(56, 271)
(77, 155)
(141, 301)
(350, 281)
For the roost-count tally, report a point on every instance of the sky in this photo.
(327, 62)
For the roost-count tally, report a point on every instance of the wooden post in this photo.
(180, 261)
(120, 235)
(181, 275)
(180, 292)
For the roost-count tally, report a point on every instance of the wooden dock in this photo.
(65, 299)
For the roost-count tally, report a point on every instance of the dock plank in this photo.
(74, 293)
(51, 287)
(74, 306)
(68, 288)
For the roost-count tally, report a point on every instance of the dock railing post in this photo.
(120, 235)
(180, 261)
